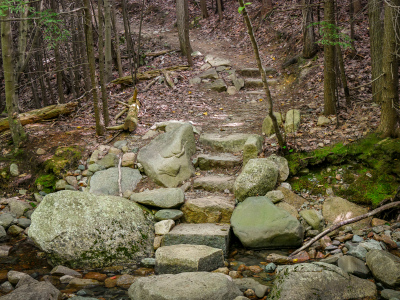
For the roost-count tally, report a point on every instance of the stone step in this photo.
(215, 183)
(211, 209)
(181, 258)
(257, 83)
(223, 160)
(227, 143)
(212, 235)
(254, 72)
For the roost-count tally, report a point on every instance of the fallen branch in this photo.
(45, 113)
(121, 113)
(150, 84)
(345, 222)
(159, 53)
(127, 80)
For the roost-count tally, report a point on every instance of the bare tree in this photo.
(182, 16)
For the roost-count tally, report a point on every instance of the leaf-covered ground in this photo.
(279, 37)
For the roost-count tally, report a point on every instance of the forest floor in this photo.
(279, 38)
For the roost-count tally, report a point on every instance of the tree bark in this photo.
(45, 113)
(329, 61)
(219, 5)
(281, 141)
(182, 16)
(204, 12)
(376, 35)
(357, 6)
(266, 5)
(390, 95)
(343, 77)
(92, 65)
(17, 131)
(102, 65)
(108, 44)
(309, 46)
(116, 42)
(60, 88)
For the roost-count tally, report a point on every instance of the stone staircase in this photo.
(206, 220)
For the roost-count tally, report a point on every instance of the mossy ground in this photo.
(369, 170)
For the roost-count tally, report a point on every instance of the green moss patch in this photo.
(64, 158)
(370, 170)
(47, 181)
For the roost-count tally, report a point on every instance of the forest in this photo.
(242, 150)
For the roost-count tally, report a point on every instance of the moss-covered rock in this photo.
(46, 183)
(63, 158)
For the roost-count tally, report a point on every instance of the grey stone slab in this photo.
(181, 258)
(223, 160)
(214, 183)
(212, 235)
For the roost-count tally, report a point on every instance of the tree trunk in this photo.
(343, 77)
(281, 141)
(376, 35)
(116, 42)
(45, 113)
(60, 88)
(351, 14)
(204, 12)
(128, 38)
(357, 6)
(103, 72)
(182, 16)
(108, 44)
(219, 5)
(266, 5)
(390, 96)
(22, 39)
(329, 61)
(309, 46)
(17, 131)
(92, 65)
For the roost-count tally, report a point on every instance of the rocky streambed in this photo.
(222, 226)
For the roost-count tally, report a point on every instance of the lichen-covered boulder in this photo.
(82, 230)
(167, 159)
(258, 177)
(258, 223)
(319, 281)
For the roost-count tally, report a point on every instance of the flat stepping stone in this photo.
(163, 198)
(212, 235)
(257, 83)
(216, 61)
(188, 258)
(209, 74)
(215, 183)
(223, 160)
(226, 143)
(254, 72)
(212, 209)
(217, 85)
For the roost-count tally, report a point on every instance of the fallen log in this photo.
(158, 53)
(127, 80)
(345, 222)
(41, 114)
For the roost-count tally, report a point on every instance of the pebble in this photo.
(270, 268)
(61, 270)
(148, 262)
(125, 281)
(6, 287)
(96, 276)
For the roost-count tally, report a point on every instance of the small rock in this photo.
(66, 279)
(14, 230)
(6, 287)
(168, 214)
(157, 242)
(163, 227)
(148, 262)
(323, 121)
(60, 184)
(14, 277)
(125, 281)
(14, 169)
(96, 276)
(40, 151)
(61, 270)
